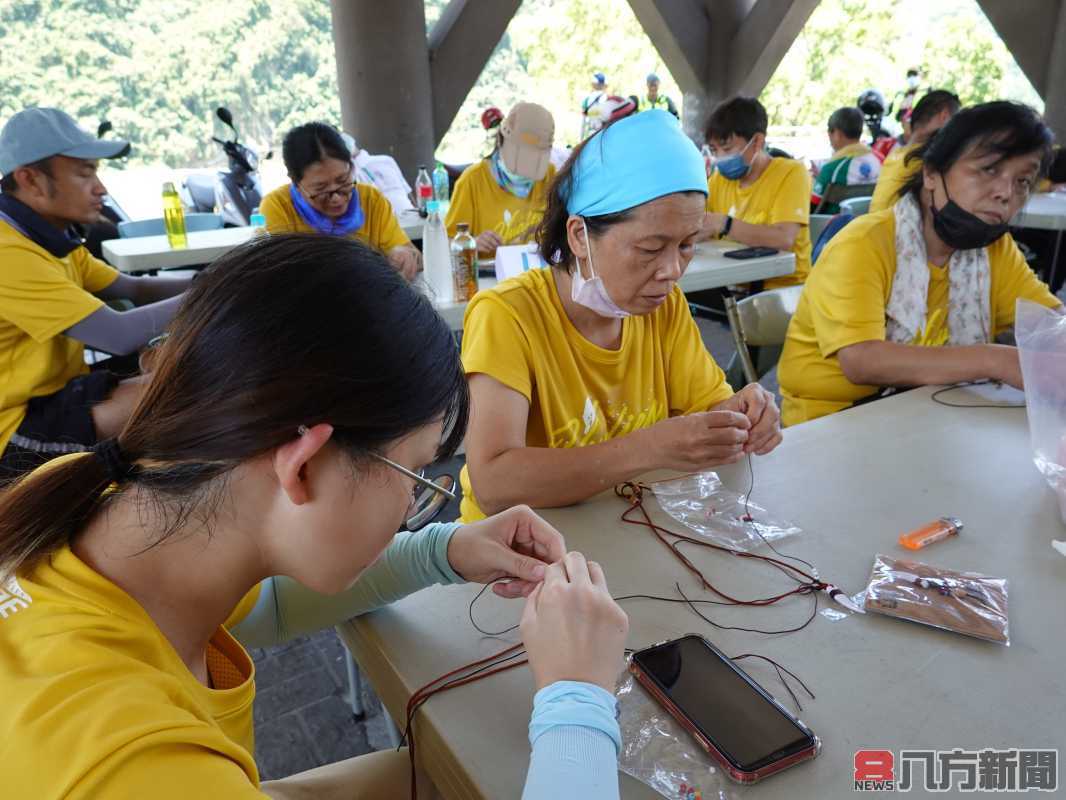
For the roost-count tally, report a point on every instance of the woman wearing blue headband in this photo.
(593, 371)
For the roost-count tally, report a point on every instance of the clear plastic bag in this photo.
(701, 503)
(1041, 337)
(658, 752)
(963, 602)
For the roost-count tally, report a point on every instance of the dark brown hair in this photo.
(308, 144)
(931, 104)
(8, 184)
(1003, 127)
(742, 116)
(286, 331)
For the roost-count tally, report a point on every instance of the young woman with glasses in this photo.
(254, 495)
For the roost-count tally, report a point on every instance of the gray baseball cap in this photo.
(37, 133)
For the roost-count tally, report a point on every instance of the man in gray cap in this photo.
(53, 293)
(655, 100)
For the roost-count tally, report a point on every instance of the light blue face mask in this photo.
(512, 182)
(734, 167)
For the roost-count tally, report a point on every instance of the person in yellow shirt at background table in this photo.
(592, 371)
(752, 197)
(503, 196)
(324, 197)
(916, 294)
(929, 115)
(54, 293)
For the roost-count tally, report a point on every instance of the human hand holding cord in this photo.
(757, 404)
(515, 543)
(572, 629)
(695, 441)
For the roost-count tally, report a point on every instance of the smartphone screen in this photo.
(735, 715)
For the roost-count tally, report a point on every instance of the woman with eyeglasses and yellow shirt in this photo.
(324, 197)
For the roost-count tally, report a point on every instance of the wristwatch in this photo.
(726, 228)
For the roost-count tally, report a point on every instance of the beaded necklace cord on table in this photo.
(514, 655)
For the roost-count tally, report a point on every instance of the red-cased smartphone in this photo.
(731, 717)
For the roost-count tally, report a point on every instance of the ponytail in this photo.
(284, 331)
(42, 511)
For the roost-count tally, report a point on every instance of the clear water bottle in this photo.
(174, 217)
(440, 186)
(436, 256)
(423, 189)
(464, 263)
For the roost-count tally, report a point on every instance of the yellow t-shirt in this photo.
(40, 297)
(844, 303)
(95, 702)
(581, 394)
(894, 173)
(479, 200)
(380, 229)
(781, 194)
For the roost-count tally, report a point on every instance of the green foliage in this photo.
(158, 69)
(848, 46)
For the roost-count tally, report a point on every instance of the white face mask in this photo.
(591, 293)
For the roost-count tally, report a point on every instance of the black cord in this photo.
(779, 668)
(470, 613)
(750, 521)
(692, 606)
(936, 396)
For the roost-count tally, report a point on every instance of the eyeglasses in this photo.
(429, 495)
(344, 190)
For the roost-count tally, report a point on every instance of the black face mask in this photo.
(961, 230)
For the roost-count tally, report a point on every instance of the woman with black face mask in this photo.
(916, 293)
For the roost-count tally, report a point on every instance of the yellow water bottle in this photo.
(174, 217)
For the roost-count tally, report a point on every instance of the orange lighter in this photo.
(933, 532)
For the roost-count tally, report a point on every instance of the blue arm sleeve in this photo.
(575, 738)
(286, 609)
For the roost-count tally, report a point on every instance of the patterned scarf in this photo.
(969, 305)
(515, 184)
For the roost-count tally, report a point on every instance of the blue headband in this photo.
(635, 160)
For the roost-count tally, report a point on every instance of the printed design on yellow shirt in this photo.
(517, 227)
(595, 425)
(13, 598)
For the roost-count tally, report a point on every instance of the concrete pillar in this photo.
(1055, 80)
(718, 48)
(460, 45)
(383, 78)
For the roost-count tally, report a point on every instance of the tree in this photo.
(848, 46)
(158, 70)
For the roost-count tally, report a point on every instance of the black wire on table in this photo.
(690, 602)
(750, 521)
(936, 397)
